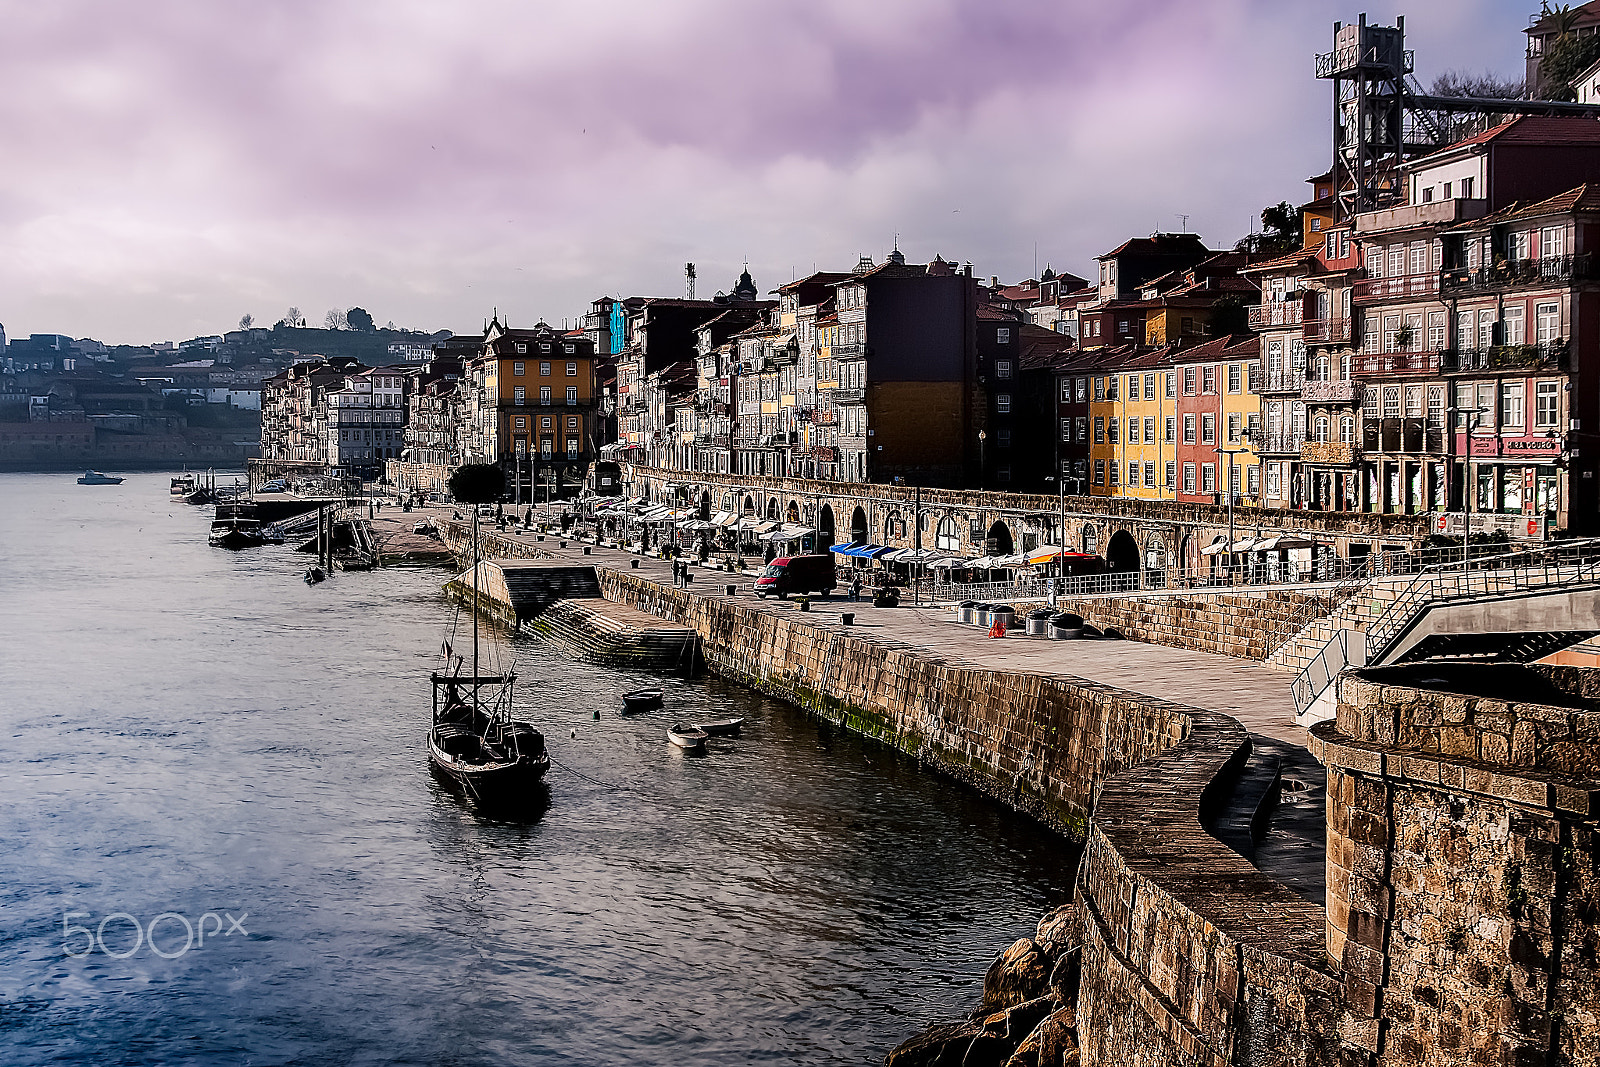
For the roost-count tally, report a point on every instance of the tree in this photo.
(1280, 232)
(477, 483)
(1456, 126)
(359, 320)
(245, 320)
(1228, 315)
(293, 318)
(334, 320)
(1566, 56)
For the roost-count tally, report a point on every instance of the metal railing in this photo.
(1519, 272)
(1551, 566)
(1401, 286)
(1551, 355)
(1326, 331)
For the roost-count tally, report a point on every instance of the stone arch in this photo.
(1155, 554)
(825, 528)
(749, 505)
(892, 523)
(1122, 552)
(947, 537)
(705, 505)
(792, 515)
(1000, 542)
(858, 525)
(772, 508)
(1090, 539)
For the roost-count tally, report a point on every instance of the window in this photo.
(1272, 480)
(545, 448)
(1099, 388)
(1066, 430)
(1083, 427)
(1391, 333)
(1188, 477)
(1515, 320)
(1436, 331)
(1320, 428)
(1552, 242)
(1391, 401)
(1150, 429)
(572, 447)
(1172, 385)
(1133, 474)
(544, 423)
(1254, 377)
(1002, 368)
(519, 369)
(1172, 430)
(522, 350)
(1466, 188)
(1111, 430)
(1330, 245)
(1082, 390)
(1518, 245)
(1414, 401)
(1419, 257)
(572, 370)
(1149, 475)
(1133, 387)
(1002, 403)
(1208, 380)
(1397, 261)
(1188, 429)
(1188, 381)
(520, 422)
(1235, 378)
(544, 395)
(1548, 319)
(1374, 261)
(1486, 321)
(1252, 480)
(1511, 404)
(1208, 429)
(1113, 474)
(544, 368)
(1111, 388)
(1099, 430)
(1133, 431)
(519, 395)
(1099, 472)
(1547, 399)
(1149, 386)
(1234, 427)
(572, 395)
(1347, 430)
(948, 537)
(1171, 475)
(572, 422)
(1208, 477)
(1002, 336)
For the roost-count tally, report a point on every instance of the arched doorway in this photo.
(772, 508)
(825, 528)
(858, 525)
(749, 505)
(1122, 552)
(894, 527)
(705, 506)
(1155, 555)
(948, 536)
(793, 514)
(999, 543)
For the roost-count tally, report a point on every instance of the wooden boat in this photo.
(236, 526)
(96, 478)
(689, 738)
(315, 575)
(720, 727)
(641, 700)
(475, 747)
(182, 485)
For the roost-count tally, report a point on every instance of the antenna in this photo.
(688, 279)
(1184, 219)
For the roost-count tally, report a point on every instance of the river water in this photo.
(199, 746)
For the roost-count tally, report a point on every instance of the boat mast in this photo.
(475, 606)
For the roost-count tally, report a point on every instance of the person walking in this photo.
(855, 588)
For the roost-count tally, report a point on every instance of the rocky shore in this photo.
(1028, 1016)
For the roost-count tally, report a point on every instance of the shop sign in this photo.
(1532, 447)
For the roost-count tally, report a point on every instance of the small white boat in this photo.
(686, 737)
(96, 478)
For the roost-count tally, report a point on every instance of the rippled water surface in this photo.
(197, 734)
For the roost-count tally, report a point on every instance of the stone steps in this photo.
(1368, 604)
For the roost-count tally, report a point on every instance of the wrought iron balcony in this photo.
(1283, 380)
(1268, 314)
(1549, 356)
(1285, 442)
(849, 396)
(1519, 272)
(1367, 364)
(1326, 331)
(1403, 287)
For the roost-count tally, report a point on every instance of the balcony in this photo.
(853, 395)
(1313, 392)
(1412, 434)
(1550, 356)
(1283, 380)
(1404, 287)
(848, 351)
(1520, 272)
(1367, 364)
(1326, 331)
(1412, 216)
(1332, 453)
(1281, 443)
(1268, 314)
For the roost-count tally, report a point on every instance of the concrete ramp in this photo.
(516, 591)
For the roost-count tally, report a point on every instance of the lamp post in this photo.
(982, 437)
(1470, 489)
(1246, 444)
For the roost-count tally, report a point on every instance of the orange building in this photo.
(543, 410)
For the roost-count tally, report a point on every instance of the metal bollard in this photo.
(634, 564)
(848, 618)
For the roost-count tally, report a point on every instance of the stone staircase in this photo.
(1366, 605)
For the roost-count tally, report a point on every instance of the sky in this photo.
(169, 166)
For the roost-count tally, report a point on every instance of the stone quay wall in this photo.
(1191, 956)
(1464, 864)
(1243, 625)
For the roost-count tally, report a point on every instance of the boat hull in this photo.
(641, 700)
(687, 739)
(720, 727)
(490, 785)
(237, 539)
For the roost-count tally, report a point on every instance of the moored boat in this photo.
(182, 485)
(687, 737)
(96, 478)
(236, 526)
(477, 749)
(720, 727)
(641, 700)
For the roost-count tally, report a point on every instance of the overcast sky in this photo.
(170, 165)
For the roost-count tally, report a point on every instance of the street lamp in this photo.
(1470, 489)
(1060, 479)
(1247, 443)
(982, 437)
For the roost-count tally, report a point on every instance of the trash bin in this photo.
(980, 615)
(1038, 622)
(1066, 626)
(848, 618)
(730, 589)
(1004, 615)
(966, 612)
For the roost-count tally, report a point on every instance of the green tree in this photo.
(359, 320)
(1280, 232)
(1566, 56)
(1228, 315)
(245, 321)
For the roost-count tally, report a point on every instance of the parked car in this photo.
(272, 487)
(796, 574)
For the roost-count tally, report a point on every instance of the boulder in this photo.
(940, 1045)
(1020, 974)
(1065, 974)
(1053, 1043)
(1059, 931)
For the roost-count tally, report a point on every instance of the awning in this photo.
(698, 526)
(1245, 545)
(863, 551)
(1016, 559)
(910, 555)
(1272, 544)
(787, 532)
(1044, 554)
(983, 563)
(764, 527)
(724, 518)
(949, 563)
(1217, 548)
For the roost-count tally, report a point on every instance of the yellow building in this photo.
(1146, 411)
(542, 382)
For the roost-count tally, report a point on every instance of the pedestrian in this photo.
(855, 588)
